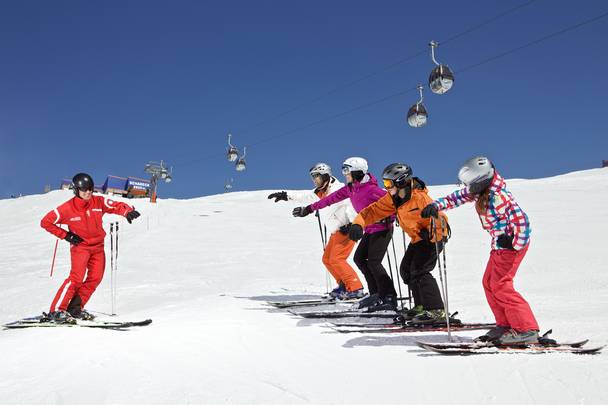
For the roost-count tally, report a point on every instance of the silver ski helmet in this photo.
(83, 182)
(476, 174)
(320, 169)
(397, 175)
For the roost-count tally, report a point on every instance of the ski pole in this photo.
(112, 267)
(327, 279)
(443, 292)
(409, 290)
(396, 270)
(54, 254)
(115, 267)
(390, 268)
(323, 245)
(444, 231)
(320, 229)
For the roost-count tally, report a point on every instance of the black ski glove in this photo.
(132, 215)
(301, 211)
(425, 234)
(429, 211)
(505, 241)
(73, 238)
(355, 232)
(280, 196)
(345, 228)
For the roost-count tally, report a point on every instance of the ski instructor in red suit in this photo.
(83, 216)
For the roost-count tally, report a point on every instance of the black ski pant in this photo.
(419, 260)
(368, 258)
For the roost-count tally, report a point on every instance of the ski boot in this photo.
(514, 338)
(412, 312)
(493, 334)
(336, 292)
(352, 295)
(388, 303)
(85, 315)
(76, 311)
(59, 317)
(369, 300)
(429, 317)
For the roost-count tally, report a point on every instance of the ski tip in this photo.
(421, 343)
(137, 323)
(593, 350)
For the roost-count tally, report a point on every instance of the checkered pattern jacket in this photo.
(503, 214)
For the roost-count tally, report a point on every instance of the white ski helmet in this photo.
(320, 168)
(476, 173)
(354, 164)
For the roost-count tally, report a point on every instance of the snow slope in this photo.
(202, 269)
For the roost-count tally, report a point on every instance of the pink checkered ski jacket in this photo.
(503, 215)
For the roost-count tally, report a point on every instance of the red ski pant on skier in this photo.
(509, 307)
(336, 253)
(88, 265)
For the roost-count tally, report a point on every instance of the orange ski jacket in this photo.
(408, 214)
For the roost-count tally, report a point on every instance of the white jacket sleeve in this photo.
(338, 214)
(302, 196)
(349, 212)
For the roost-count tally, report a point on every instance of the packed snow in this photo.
(203, 268)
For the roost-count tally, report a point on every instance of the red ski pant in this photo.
(336, 253)
(88, 265)
(509, 307)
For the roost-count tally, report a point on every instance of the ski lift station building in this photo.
(130, 187)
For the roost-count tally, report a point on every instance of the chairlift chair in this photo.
(441, 78)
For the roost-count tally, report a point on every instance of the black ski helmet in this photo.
(399, 173)
(82, 181)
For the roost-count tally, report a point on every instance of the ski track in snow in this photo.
(203, 268)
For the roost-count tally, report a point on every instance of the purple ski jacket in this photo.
(361, 195)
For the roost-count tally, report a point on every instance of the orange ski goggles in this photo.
(388, 183)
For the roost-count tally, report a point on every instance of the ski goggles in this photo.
(388, 183)
(346, 169)
(400, 182)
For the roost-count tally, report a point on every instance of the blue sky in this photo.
(104, 87)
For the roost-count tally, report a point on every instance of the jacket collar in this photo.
(325, 187)
(80, 204)
(367, 179)
(418, 187)
(497, 183)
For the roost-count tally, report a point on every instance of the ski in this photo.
(481, 345)
(487, 348)
(344, 314)
(544, 345)
(286, 304)
(38, 322)
(396, 328)
(377, 325)
(309, 303)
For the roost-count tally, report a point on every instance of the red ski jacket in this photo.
(83, 218)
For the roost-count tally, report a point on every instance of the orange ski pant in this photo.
(336, 253)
